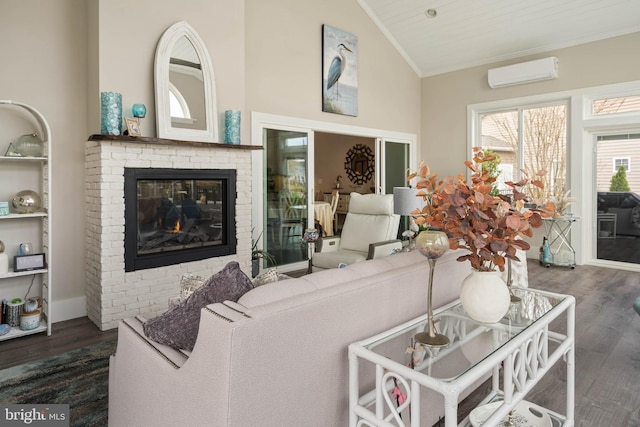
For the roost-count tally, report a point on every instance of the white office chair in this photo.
(370, 231)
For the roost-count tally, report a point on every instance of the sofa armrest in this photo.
(383, 249)
(329, 244)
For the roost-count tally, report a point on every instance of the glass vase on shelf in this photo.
(432, 244)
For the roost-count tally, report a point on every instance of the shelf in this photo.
(24, 159)
(23, 216)
(14, 170)
(148, 140)
(16, 332)
(23, 273)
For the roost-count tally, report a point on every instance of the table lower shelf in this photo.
(553, 420)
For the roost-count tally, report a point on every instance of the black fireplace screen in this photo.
(178, 215)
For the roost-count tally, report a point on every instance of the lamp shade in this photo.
(405, 200)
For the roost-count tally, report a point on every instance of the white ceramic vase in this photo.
(485, 296)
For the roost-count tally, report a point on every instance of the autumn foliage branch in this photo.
(490, 227)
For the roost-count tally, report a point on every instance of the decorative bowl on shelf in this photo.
(26, 201)
(30, 145)
(525, 414)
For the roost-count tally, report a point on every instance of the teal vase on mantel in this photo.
(110, 113)
(232, 127)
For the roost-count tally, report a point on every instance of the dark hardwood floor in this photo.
(607, 345)
(607, 367)
(65, 336)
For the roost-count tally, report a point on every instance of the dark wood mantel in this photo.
(162, 141)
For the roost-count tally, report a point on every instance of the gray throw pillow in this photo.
(178, 327)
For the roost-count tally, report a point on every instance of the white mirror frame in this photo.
(163, 114)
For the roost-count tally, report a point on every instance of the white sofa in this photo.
(278, 357)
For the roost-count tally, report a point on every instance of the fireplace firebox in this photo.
(178, 215)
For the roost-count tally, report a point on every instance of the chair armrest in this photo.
(329, 244)
(383, 249)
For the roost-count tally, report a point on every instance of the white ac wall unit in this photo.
(525, 72)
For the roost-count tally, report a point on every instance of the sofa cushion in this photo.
(178, 327)
(269, 276)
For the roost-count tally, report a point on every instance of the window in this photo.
(529, 138)
(621, 162)
(606, 106)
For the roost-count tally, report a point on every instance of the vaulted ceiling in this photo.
(467, 33)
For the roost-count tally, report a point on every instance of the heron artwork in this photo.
(337, 67)
(339, 72)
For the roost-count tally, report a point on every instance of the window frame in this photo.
(519, 106)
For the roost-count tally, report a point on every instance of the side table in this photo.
(557, 231)
(517, 352)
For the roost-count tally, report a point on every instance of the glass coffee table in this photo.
(388, 372)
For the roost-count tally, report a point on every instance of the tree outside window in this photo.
(530, 139)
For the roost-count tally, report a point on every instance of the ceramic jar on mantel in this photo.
(485, 296)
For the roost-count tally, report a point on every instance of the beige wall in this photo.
(44, 62)
(445, 97)
(127, 40)
(284, 67)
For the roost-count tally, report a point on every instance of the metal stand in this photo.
(311, 248)
(431, 338)
(557, 231)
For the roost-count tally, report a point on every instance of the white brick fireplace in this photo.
(113, 294)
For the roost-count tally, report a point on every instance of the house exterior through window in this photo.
(619, 162)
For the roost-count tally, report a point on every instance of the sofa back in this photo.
(289, 358)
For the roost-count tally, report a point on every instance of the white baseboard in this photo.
(68, 309)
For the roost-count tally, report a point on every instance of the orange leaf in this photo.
(538, 183)
(513, 222)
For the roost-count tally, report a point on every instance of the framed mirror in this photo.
(185, 87)
(359, 164)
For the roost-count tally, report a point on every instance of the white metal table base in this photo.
(525, 359)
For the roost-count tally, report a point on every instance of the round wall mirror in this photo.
(185, 87)
(359, 164)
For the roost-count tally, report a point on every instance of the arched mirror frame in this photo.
(163, 114)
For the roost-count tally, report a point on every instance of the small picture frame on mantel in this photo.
(133, 126)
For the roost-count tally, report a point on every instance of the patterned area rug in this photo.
(78, 378)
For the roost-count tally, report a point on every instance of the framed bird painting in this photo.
(339, 72)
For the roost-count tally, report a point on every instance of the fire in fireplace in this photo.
(178, 215)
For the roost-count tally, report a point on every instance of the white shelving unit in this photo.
(26, 173)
